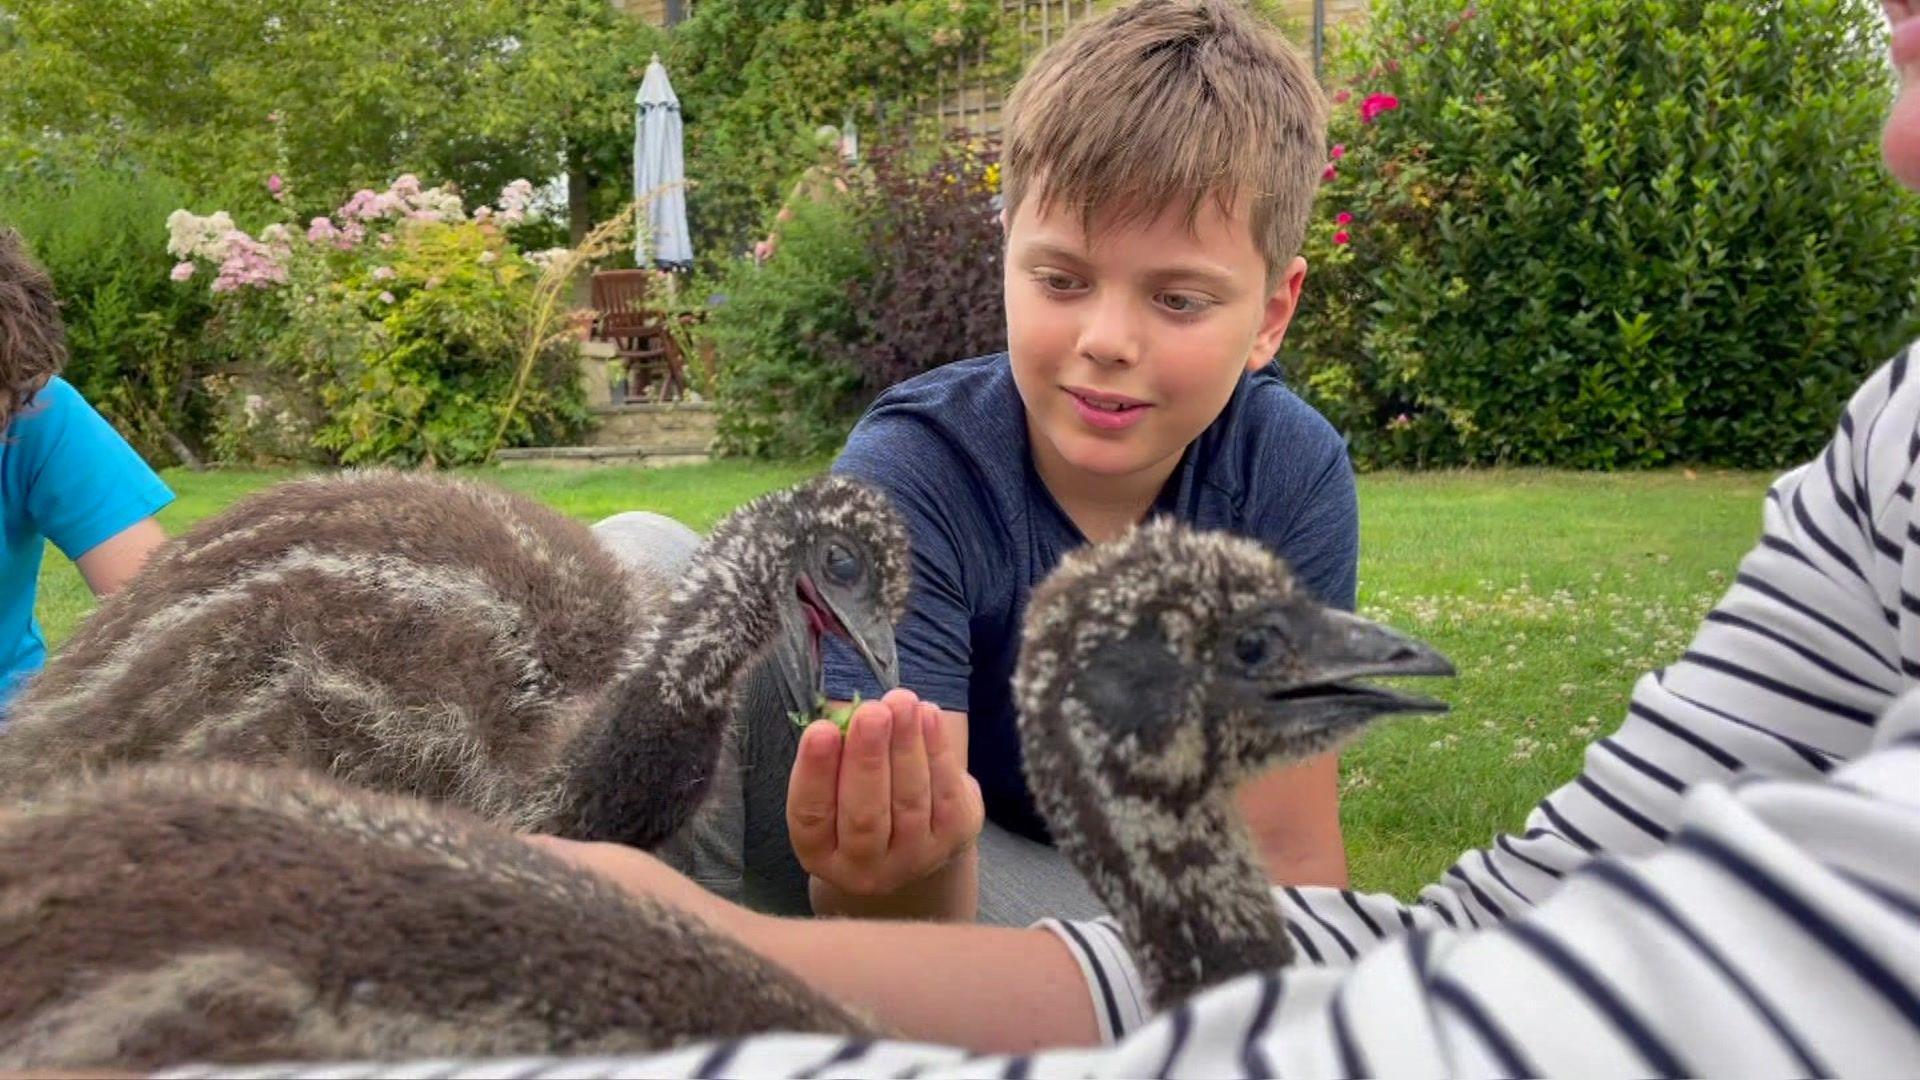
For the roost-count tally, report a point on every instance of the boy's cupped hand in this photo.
(886, 804)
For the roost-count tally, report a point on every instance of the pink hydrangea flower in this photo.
(383, 273)
(181, 271)
(1341, 97)
(275, 185)
(1377, 104)
(1327, 174)
(1341, 237)
(1339, 151)
(321, 230)
(1343, 218)
(386, 298)
(248, 262)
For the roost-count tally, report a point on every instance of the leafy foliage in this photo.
(869, 278)
(785, 387)
(936, 294)
(1613, 233)
(134, 339)
(756, 78)
(391, 332)
(477, 91)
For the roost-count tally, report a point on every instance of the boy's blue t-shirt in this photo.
(950, 447)
(66, 476)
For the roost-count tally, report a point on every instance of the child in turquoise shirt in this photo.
(65, 474)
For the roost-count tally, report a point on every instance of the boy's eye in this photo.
(1058, 282)
(1181, 304)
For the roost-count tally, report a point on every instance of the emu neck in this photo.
(1184, 884)
(643, 763)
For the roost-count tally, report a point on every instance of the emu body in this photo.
(451, 641)
(217, 913)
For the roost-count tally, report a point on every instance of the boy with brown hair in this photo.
(1159, 167)
(65, 474)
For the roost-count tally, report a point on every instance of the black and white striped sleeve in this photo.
(1775, 932)
(1819, 631)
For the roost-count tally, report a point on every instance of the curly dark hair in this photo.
(33, 339)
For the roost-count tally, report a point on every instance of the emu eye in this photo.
(1250, 647)
(843, 566)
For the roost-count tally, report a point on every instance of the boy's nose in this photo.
(1111, 334)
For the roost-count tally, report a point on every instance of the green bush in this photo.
(1605, 234)
(393, 331)
(785, 387)
(756, 78)
(134, 338)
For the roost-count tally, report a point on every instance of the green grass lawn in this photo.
(1551, 591)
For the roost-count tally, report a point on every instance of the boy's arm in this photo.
(114, 561)
(86, 489)
(1293, 815)
(992, 989)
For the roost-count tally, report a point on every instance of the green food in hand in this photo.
(840, 717)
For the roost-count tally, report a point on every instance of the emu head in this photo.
(833, 554)
(1171, 663)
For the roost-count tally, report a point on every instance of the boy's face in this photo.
(1126, 344)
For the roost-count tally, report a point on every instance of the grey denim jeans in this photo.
(736, 844)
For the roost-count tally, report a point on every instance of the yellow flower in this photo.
(992, 177)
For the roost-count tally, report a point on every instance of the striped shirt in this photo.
(1756, 911)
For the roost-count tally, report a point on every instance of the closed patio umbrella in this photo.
(659, 173)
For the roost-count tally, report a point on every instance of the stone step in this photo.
(659, 455)
(641, 425)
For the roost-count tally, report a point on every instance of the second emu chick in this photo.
(447, 640)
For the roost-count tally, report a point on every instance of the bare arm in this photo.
(990, 989)
(114, 561)
(1294, 816)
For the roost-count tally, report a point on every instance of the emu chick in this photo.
(218, 913)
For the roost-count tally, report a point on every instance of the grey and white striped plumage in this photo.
(210, 912)
(443, 639)
(1156, 673)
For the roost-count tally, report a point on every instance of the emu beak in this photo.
(872, 637)
(796, 655)
(1341, 648)
(796, 659)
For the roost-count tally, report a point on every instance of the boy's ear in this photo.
(1278, 315)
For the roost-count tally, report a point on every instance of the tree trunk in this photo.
(579, 198)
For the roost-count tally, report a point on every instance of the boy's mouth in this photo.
(1106, 411)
